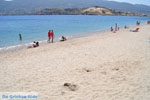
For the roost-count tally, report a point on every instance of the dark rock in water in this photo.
(70, 86)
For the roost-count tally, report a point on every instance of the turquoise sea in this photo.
(35, 27)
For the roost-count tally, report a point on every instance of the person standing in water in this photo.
(116, 27)
(49, 35)
(20, 37)
(52, 35)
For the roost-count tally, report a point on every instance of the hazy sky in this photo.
(146, 2)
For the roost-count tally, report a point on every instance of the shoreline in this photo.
(10, 40)
(44, 42)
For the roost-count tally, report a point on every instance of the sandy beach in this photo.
(106, 66)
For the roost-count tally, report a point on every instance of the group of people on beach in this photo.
(63, 38)
(50, 36)
(114, 30)
(126, 27)
(50, 39)
(35, 44)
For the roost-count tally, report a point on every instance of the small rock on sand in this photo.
(70, 86)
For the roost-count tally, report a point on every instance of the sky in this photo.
(8, 0)
(145, 2)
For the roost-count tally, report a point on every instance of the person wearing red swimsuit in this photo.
(52, 35)
(49, 35)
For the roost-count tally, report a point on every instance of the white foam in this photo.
(21, 46)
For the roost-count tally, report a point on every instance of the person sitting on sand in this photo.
(111, 29)
(63, 38)
(126, 27)
(148, 22)
(35, 44)
(136, 30)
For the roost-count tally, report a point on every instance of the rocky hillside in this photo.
(85, 11)
(97, 11)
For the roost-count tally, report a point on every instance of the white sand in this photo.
(119, 65)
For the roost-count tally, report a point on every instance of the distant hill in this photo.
(23, 6)
(84, 11)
